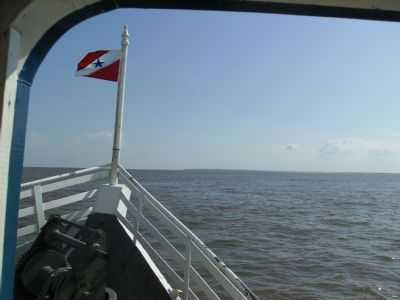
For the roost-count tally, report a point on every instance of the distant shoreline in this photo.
(234, 170)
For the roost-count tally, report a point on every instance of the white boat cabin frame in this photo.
(29, 28)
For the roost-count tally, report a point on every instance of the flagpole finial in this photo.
(125, 35)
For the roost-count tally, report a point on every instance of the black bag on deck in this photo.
(66, 262)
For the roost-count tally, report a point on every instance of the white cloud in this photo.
(291, 147)
(101, 134)
(360, 147)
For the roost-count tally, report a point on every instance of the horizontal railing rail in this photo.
(65, 180)
(38, 188)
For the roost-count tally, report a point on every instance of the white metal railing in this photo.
(194, 247)
(148, 220)
(36, 190)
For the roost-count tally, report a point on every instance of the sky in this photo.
(223, 90)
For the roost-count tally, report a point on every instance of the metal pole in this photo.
(188, 264)
(120, 106)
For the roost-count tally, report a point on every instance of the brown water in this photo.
(290, 235)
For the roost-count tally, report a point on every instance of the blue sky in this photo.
(225, 90)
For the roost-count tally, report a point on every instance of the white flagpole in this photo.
(120, 106)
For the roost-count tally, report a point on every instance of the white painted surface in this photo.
(188, 265)
(28, 229)
(30, 25)
(39, 207)
(64, 176)
(119, 111)
(108, 199)
(7, 118)
(24, 31)
(68, 200)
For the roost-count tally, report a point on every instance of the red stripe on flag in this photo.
(108, 73)
(90, 57)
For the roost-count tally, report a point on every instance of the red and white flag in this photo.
(101, 64)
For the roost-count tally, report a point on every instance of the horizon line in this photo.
(234, 169)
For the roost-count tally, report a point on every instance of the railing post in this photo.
(188, 264)
(138, 217)
(39, 208)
